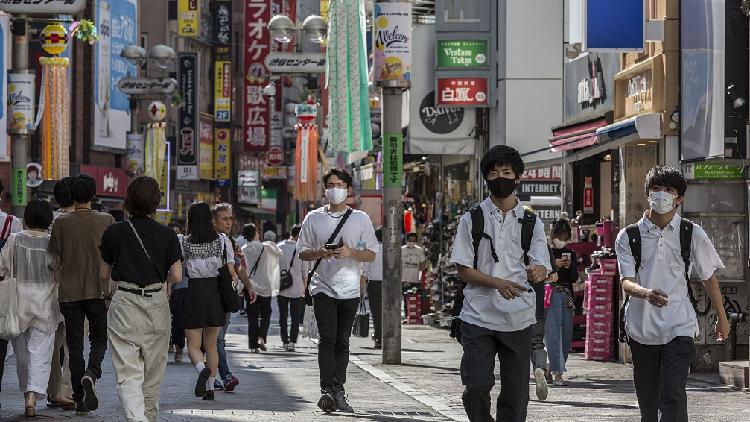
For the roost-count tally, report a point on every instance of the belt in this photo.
(139, 292)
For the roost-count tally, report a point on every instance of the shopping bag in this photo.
(310, 324)
(9, 323)
(548, 296)
(361, 326)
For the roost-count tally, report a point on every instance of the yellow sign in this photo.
(222, 145)
(163, 217)
(223, 91)
(188, 18)
(324, 7)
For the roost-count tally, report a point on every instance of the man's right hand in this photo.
(509, 289)
(325, 253)
(656, 297)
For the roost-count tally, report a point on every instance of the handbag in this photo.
(230, 301)
(308, 296)
(286, 280)
(10, 326)
(361, 326)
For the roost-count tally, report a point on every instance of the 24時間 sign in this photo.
(187, 154)
(462, 54)
(257, 111)
(462, 92)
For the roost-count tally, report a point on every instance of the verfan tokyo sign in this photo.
(46, 7)
(462, 54)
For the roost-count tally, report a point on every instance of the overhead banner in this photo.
(117, 22)
(45, 7)
(222, 146)
(206, 147)
(615, 25)
(392, 49)
(187, 150)
(188, 18)
(223, 91)
(257, 111)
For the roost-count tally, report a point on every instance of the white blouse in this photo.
(204, 260)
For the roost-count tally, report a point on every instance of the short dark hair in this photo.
(83, 188)
(666, 176)
(379, 234)
(560, 227)
(221, 207)
(143, 196)
(249, 230)
(414, 235)
(200, 224)
(38, 214)
(501, 155)
(296, 229)
(340, 173)
(62, 192)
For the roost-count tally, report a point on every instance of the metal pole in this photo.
(20, 142)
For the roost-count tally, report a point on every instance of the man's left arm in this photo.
(707, 262)
(539, 261)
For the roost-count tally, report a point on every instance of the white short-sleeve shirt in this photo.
(662, 268)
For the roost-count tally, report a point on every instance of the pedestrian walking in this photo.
(177, 308)
(655, 257)
(338, 239)
(140, 256)
(373, 273)
(558, 328)
(413, 262)
(75, 242)
(499, 304)
(205, 251)
(292, 299)
(25, 258)
(263, 261)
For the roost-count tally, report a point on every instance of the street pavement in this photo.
(281, 386)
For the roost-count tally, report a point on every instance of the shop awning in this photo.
(576, 136)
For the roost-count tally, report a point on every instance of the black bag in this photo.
(361, 326)
(286, 275)
(230, 301)
(308, 296)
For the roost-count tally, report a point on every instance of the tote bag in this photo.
(9, 323)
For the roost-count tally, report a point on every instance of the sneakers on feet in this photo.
(218, 385)
(342, 404)
(326, 402)
(378, 344)
(230, 384)
(262, 345)
(541, 384)
(290, 347)
(200, 384)
(89, 391)
(208, 395)
(81, 409)
(178, 356)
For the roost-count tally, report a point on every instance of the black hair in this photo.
(200, 224)
(379, 234)
(62, 192)
(143, 197)
(414, 235)
(83, 188)
(560, 227)
(249, 231)
(296, 229)
(666, 176)
(340, 173)
(501, 155)
(38, 214)
(2, 187)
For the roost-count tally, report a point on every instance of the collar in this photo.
(490, 206)
(674, 223)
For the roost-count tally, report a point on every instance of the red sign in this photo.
(257, 45)
(588, 195)
(462, 92)
(110, 182)
(275, 156)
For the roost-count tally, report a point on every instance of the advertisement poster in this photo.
(46, 7)
(222, 145)
(257, 44)
(117, 22)
(206, 147)
(392, 52)
(165, 182)
(188, 18)
(5, 46)
(21, 101)
(588, 195)
(187, 149)
(136, 152)
(223, 91)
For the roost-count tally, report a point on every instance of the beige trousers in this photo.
(138, 332)
(59, 377)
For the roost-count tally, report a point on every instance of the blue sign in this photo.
(615, 25)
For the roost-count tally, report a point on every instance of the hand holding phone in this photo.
(334, 246)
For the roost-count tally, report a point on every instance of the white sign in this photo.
(42, 7)
(281, 62)
(141, 86)
(392, 49)
(187, 173)
(135, 153)
(21, 102)
(247, 178)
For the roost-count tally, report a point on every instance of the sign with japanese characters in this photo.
(463, 54)
(143, 86)
(223, 91)
(275, 156)
(462, 92)
(700, 171)
(281, 62)
(110, 182)
(187, 150)
(392, 43)
(222, 145)
(257, 108)
(551, 173)
(393, 160)
(188, 18)
(206, 147)
(222, 13)
(43, 7)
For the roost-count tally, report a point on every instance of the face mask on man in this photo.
(559, 244)
(336, 195)
(661, 202)
(501, 187)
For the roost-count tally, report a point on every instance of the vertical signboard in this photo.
(222, 145)
(19, 192)
(187, 150)
(21, 101)
(222, 13)
(117, 22)
(188, 18)
(257, 114)
(588, 195)
(5, 46)
(165, 182)
(392, 49)
(223, 91)
(206, 147)
(393, 160)
(615, 25)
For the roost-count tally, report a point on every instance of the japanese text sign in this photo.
(222, 145)
(462, 92)
(257, 45)
(223, 91)
(187, 151)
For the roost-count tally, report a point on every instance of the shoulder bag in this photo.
(286, 275)
(230, 301)
(10, 326)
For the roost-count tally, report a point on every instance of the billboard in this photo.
(188, 18)
(187, 149)
(615, 25)
(206, 147)
(392, 49)
(257, 108)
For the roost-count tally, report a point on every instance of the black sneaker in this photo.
(326, 402)
(81, 409)
(200, 385)
(218, 386)
(89, 391)
(342, 404)
(209, 395)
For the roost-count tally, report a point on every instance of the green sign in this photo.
(716, 171)
(19, 192)
(462, 53)
(393, 160)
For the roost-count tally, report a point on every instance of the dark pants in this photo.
(375, 297)
(538, 354)
(3, 352)
(660, 376)
(335, 318)
(287, 306)
(258, 320)
(95, 311)
(177, 306)
(481, 346)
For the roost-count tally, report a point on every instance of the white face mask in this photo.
(336, 195)
(559, 244)
(661, 202)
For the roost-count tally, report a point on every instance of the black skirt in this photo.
(203, 306)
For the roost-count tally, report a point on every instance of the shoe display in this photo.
(81, 409)
(178, 356)
(326, 402)
(541, 384)
(230, 384)
(89, 391)
(208, 395)
(200, 384)
(342, 403)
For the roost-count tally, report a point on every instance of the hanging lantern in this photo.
(157, 111)
(54, 39)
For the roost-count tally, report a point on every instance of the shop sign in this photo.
(393, 160)
(110, 182)
(712, 172)
(136, 153)
(539, 188)
(439, 120)
(21, 101)
(275, 156)
(462, 53)
(248, 182)
(222, 145)
(275, 172)
(257, 45)
(142, 86)
(282, 62)
(548, 213)
(392, 43)
(206, 147)
(6, 38)
(247, 178)
(223, 91)
(588, 195)
(222, 13)
(542, 173)
(165, 181)
(19, 194)
(187, 151)
(587, 83)
(462, 92)
(639, 92)
(188, 18)
(42, 7)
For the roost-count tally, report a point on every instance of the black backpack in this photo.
(686, 241)
(477, 234)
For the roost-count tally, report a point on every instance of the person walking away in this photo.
(263, 261)
(413, 260)
(140, 256)
(75, 242)
(338, 240)
(204, 251)
(660, 320)
(559, 321)
(292, 299)
(499, 305)
(25, 258)
(372, 272)
(178, 311)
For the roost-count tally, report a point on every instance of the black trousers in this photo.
(258, 320)
(286, 306)
(660, 377)
(375, 297)
(95, 311)
(481, 348)
(3, 352)
(335, 318)
(177, 306)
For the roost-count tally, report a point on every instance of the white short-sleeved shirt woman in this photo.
(204, 260)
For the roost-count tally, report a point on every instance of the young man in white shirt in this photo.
(335, 283)
(660, 321)
(499, 304)
(372, 275)
(292, 299)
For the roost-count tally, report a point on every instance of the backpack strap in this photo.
(686, 244)
(634, 239)
(7, 227)
(527, 232)
(477, 234)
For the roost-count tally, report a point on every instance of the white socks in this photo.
(210, 384)
(200, 366)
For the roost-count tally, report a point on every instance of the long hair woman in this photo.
(205, 252)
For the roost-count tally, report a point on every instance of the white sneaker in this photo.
(541, 384)
(290, 347)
